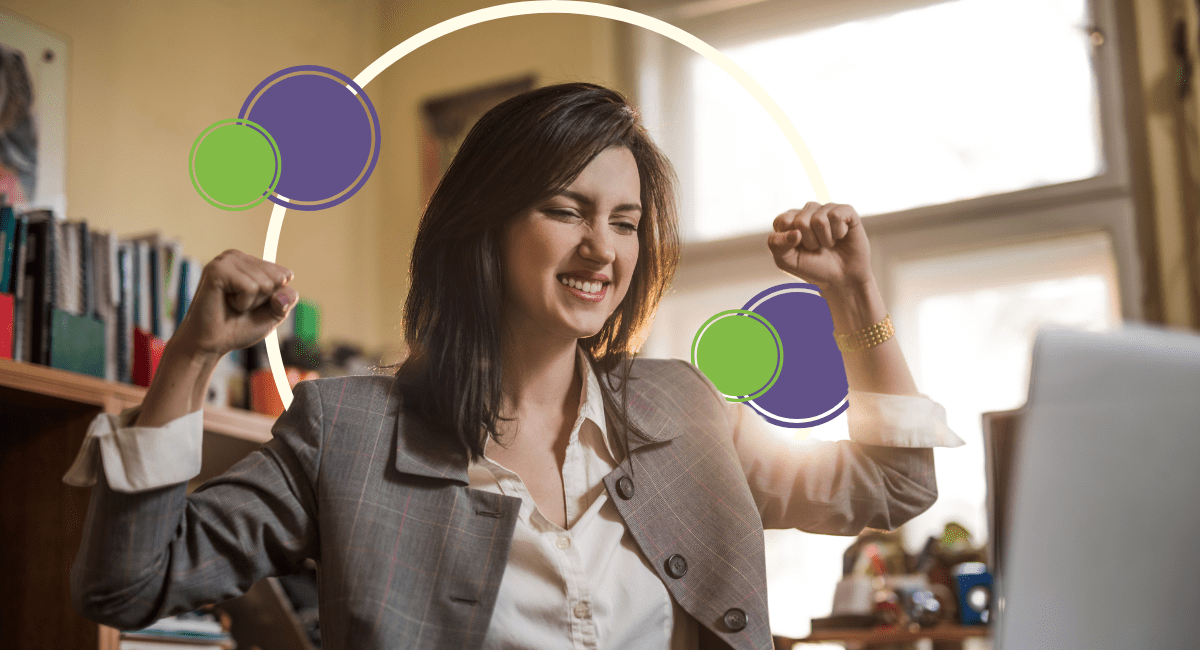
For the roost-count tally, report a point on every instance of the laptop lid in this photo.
(1104, 546)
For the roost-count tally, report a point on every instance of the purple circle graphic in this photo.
(812, 387)
(327, 131)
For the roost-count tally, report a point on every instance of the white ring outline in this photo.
(428, 35)
(780, 417)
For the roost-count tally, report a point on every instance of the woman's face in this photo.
(568, 261)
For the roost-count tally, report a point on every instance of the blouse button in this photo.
(564, 542)
(676, 566)
(582, 610)
(625, 487)
(735, 619)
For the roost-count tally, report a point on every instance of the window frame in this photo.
(1114, 201)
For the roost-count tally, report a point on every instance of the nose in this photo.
(597, 245)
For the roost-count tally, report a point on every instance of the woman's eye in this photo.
(561, 213)
(626, 226)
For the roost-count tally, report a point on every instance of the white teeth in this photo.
(587, 287)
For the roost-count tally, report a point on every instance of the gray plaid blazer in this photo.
(410, 557)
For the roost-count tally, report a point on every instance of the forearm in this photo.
(138, 529)
(877, 369)
(179, 386)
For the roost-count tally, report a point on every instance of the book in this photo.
(8, 233)
(77, 343)
(87, 273)
(18, 288)
(136, 642)
(40, 286)
(105, 297)
(140, 282)
(158, 277)
(6, 326)
(195, 623)
(189, 281)
(170, 261)
(147, 352)
(68, 265)
(126, 310)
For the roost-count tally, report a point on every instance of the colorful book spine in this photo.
(41, 282)
(8, 236)
(125, 311)
(77, 343)
(20, 326)
(147, 352)
(6, 326)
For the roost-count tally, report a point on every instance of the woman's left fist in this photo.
(822, 244)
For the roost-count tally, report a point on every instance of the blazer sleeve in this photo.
(833, 488)
(152, 554)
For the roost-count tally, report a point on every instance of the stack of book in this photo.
(87, 301)
(199, 630)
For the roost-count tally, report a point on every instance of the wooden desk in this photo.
(945, 637)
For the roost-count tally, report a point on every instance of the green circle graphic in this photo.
(235, 164)
(740, 352)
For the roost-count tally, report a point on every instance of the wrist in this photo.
(180, 384)
(184, 348)
(854, 305)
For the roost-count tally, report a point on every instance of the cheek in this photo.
(628, 256)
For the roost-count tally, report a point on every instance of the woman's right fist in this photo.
(239, 300)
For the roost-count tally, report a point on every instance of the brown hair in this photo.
(520, 153)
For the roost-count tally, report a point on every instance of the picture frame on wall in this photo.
(33, 115)
(446, 120)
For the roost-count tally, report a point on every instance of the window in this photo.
(983, 142)
(921, 107)
(967, 323)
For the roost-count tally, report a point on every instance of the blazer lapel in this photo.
(422, 451)
(648, 408)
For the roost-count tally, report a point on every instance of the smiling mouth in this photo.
(592, 291)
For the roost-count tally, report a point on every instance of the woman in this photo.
(520, 483)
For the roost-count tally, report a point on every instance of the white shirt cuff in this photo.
(136, 459)
(899, 421)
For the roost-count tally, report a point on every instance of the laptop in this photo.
(1103, 549)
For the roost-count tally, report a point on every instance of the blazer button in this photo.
(625, 487)
(676, 566)
(735, 619)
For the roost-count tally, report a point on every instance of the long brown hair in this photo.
(520, 153)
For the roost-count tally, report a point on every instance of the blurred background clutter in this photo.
(1018, 163)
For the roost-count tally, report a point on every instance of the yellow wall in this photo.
(554, 48)
(146, 77)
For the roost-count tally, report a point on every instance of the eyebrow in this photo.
(576, 196)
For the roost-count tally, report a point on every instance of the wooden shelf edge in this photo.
(891, 635)
(113, 397)
(238, 423)
(67, 385)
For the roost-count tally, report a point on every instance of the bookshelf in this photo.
(44, 415)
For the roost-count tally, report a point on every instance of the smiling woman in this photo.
(523, 481)
(558, 183)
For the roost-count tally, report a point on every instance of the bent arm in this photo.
(836, 488)
(155, 553)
